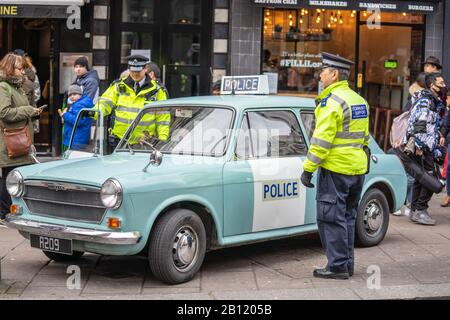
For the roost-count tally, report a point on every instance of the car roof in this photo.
(243, 101)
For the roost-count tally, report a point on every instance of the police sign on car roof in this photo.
(258, 84)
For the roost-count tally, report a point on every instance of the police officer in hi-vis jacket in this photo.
(339, 149)
(127, 96)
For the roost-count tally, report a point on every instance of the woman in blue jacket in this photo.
(76, 102)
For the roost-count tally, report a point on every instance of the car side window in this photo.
(308, 120)
(270, 134)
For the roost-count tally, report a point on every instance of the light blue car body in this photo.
(223, 188)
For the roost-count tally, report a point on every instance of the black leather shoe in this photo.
(327, 274)
(350, 273)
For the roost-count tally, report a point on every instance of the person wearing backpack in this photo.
(398, 132)
(423, 132)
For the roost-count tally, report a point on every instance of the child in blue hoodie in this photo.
(76, 102)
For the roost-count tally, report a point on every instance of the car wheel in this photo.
(58, 257)
(372, 220)
(177, 246)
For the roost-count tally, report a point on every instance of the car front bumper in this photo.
(64, 232)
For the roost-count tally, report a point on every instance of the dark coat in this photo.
(89, 83)
(29, 86)
(83, 131)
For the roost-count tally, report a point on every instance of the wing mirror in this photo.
(156, 158)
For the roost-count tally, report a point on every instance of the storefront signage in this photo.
(279, 3)
(245, 85)
(300, 60)
(377, 5)
(29, 11)
(331, 4)
(389, 5)
(8, 11)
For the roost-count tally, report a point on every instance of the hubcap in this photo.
(373, 217)
(185, 249)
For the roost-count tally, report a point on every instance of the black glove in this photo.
(306, 179)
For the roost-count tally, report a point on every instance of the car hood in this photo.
(126, 168)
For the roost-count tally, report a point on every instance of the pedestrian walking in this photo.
(15, 113)
(423, 131)
(127, 96)
(339, 149)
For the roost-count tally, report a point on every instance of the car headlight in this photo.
(14, 184)
(111, 194)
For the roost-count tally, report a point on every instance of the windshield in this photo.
(180, 130)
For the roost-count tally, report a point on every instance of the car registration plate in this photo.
(51, 244)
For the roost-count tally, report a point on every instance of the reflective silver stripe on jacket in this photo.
(129, 121)
(321, 143)
(311, 157)
(351, 135)
(126, 109)
(163, 123)
(107, 101)
(345, 110)
(355, 145)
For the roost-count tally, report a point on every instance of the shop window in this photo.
(138, 11)
(294, 39)
(185, 11)
(183, 84)
(184, 49)
(134, 40)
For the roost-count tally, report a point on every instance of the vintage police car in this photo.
(229, 174)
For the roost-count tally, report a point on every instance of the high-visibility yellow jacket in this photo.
(122, 98)
(341, 132)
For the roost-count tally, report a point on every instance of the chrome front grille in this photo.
(64, 200)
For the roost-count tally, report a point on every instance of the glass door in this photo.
(390, 57)
(178, 35)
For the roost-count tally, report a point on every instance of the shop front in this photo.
(387, 47)
(386, 39)
(40, 29)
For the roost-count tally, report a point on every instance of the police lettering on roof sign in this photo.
(245, 85)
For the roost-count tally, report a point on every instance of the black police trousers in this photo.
(337, 199)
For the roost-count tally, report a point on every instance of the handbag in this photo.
(17, 140)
